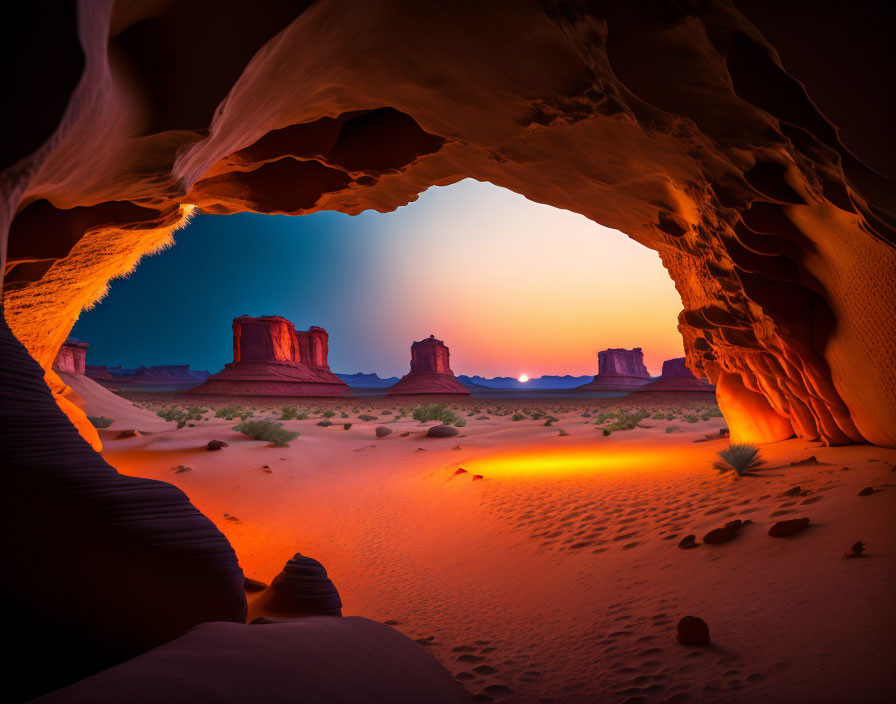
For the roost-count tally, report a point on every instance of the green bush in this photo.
(266, 430)
(100, 421)
(518, 416)
(231, 412)
(607, 431)
(329, 414)
(627, 421)
(288, 412)
(460, 422)
(739, 458)
(435, 411)
(673, 429)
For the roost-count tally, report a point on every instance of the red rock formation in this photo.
(684, 127)
(72, 357)
(430, 372)
(619, 370)
(100, 374)
(677, 377)
(271, 358)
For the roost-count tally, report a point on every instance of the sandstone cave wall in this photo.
(679, 124)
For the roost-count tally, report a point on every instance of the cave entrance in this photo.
(513, 287)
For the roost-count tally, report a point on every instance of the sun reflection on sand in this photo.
(541, 462)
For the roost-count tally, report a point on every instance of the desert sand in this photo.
(550, 570)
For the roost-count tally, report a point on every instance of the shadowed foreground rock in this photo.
(316, 660)
(693, 630)
(102, 566)
(301, 589)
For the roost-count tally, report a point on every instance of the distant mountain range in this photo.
(360, 380)
(548, 381)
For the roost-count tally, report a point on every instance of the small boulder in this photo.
(129, 433)
(441, 431)
(460, 470)
(783, 529)
(181, 468)
(856, 550)
(382, 431)
(867, 491)
(215, 445)
(693, 630)
(723, 535)
(477, 477)
(688, 542)
(796, 491)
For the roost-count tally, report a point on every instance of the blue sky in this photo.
(512, 286)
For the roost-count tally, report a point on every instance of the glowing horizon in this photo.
(508, 284)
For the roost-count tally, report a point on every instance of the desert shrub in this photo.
(562, 433)
(739, 458)
(329, 414)
(659, 416)
(325, 423)
(627, 421)
(673, 429)
(607, 431)
(100, 421)
(386, 412)
(670, 416)
(288, 412)
(366, 418)
(586, 414)
(691, 419)
(483, 418)
(460, 422)
(518, 416)
(266, 430)
(231, 412)
(435, 411)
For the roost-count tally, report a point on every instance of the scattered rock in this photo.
(693, 630)
(688, 542)
(796, 491)
(856, 550)
(477, 477)
(215, 445)
(254, 585)
(420, 449)
(808, 460)
(181, 468)
(723, 535)
(867, 491)
(441, 431)
(129, 433)
(301, 589)
(391, 622)
(460, 470)
(457, 447)
(382, 431)
(845, 469)
(405, 434)
(783, 529)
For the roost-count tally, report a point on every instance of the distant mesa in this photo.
(360, 380)
(619, 370)
(159, 374)
(272, 358)
(677, 377)
(546, 382)
(430, 372)
(72, 357)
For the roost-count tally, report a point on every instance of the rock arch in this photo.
(674, 122)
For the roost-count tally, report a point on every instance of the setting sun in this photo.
(523, 378)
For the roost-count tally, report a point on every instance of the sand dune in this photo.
(557, 577)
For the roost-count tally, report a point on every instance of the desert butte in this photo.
(549, 570)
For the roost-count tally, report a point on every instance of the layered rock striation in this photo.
(677, 377)
(272, 358)
(430, 371)
(709, 132)
(618, 369)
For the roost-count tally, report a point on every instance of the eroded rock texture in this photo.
(72, 357)
(619, 370)
(272, 358)
(677, 377)
(713, 132)
(430, 371)
(102, 566)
